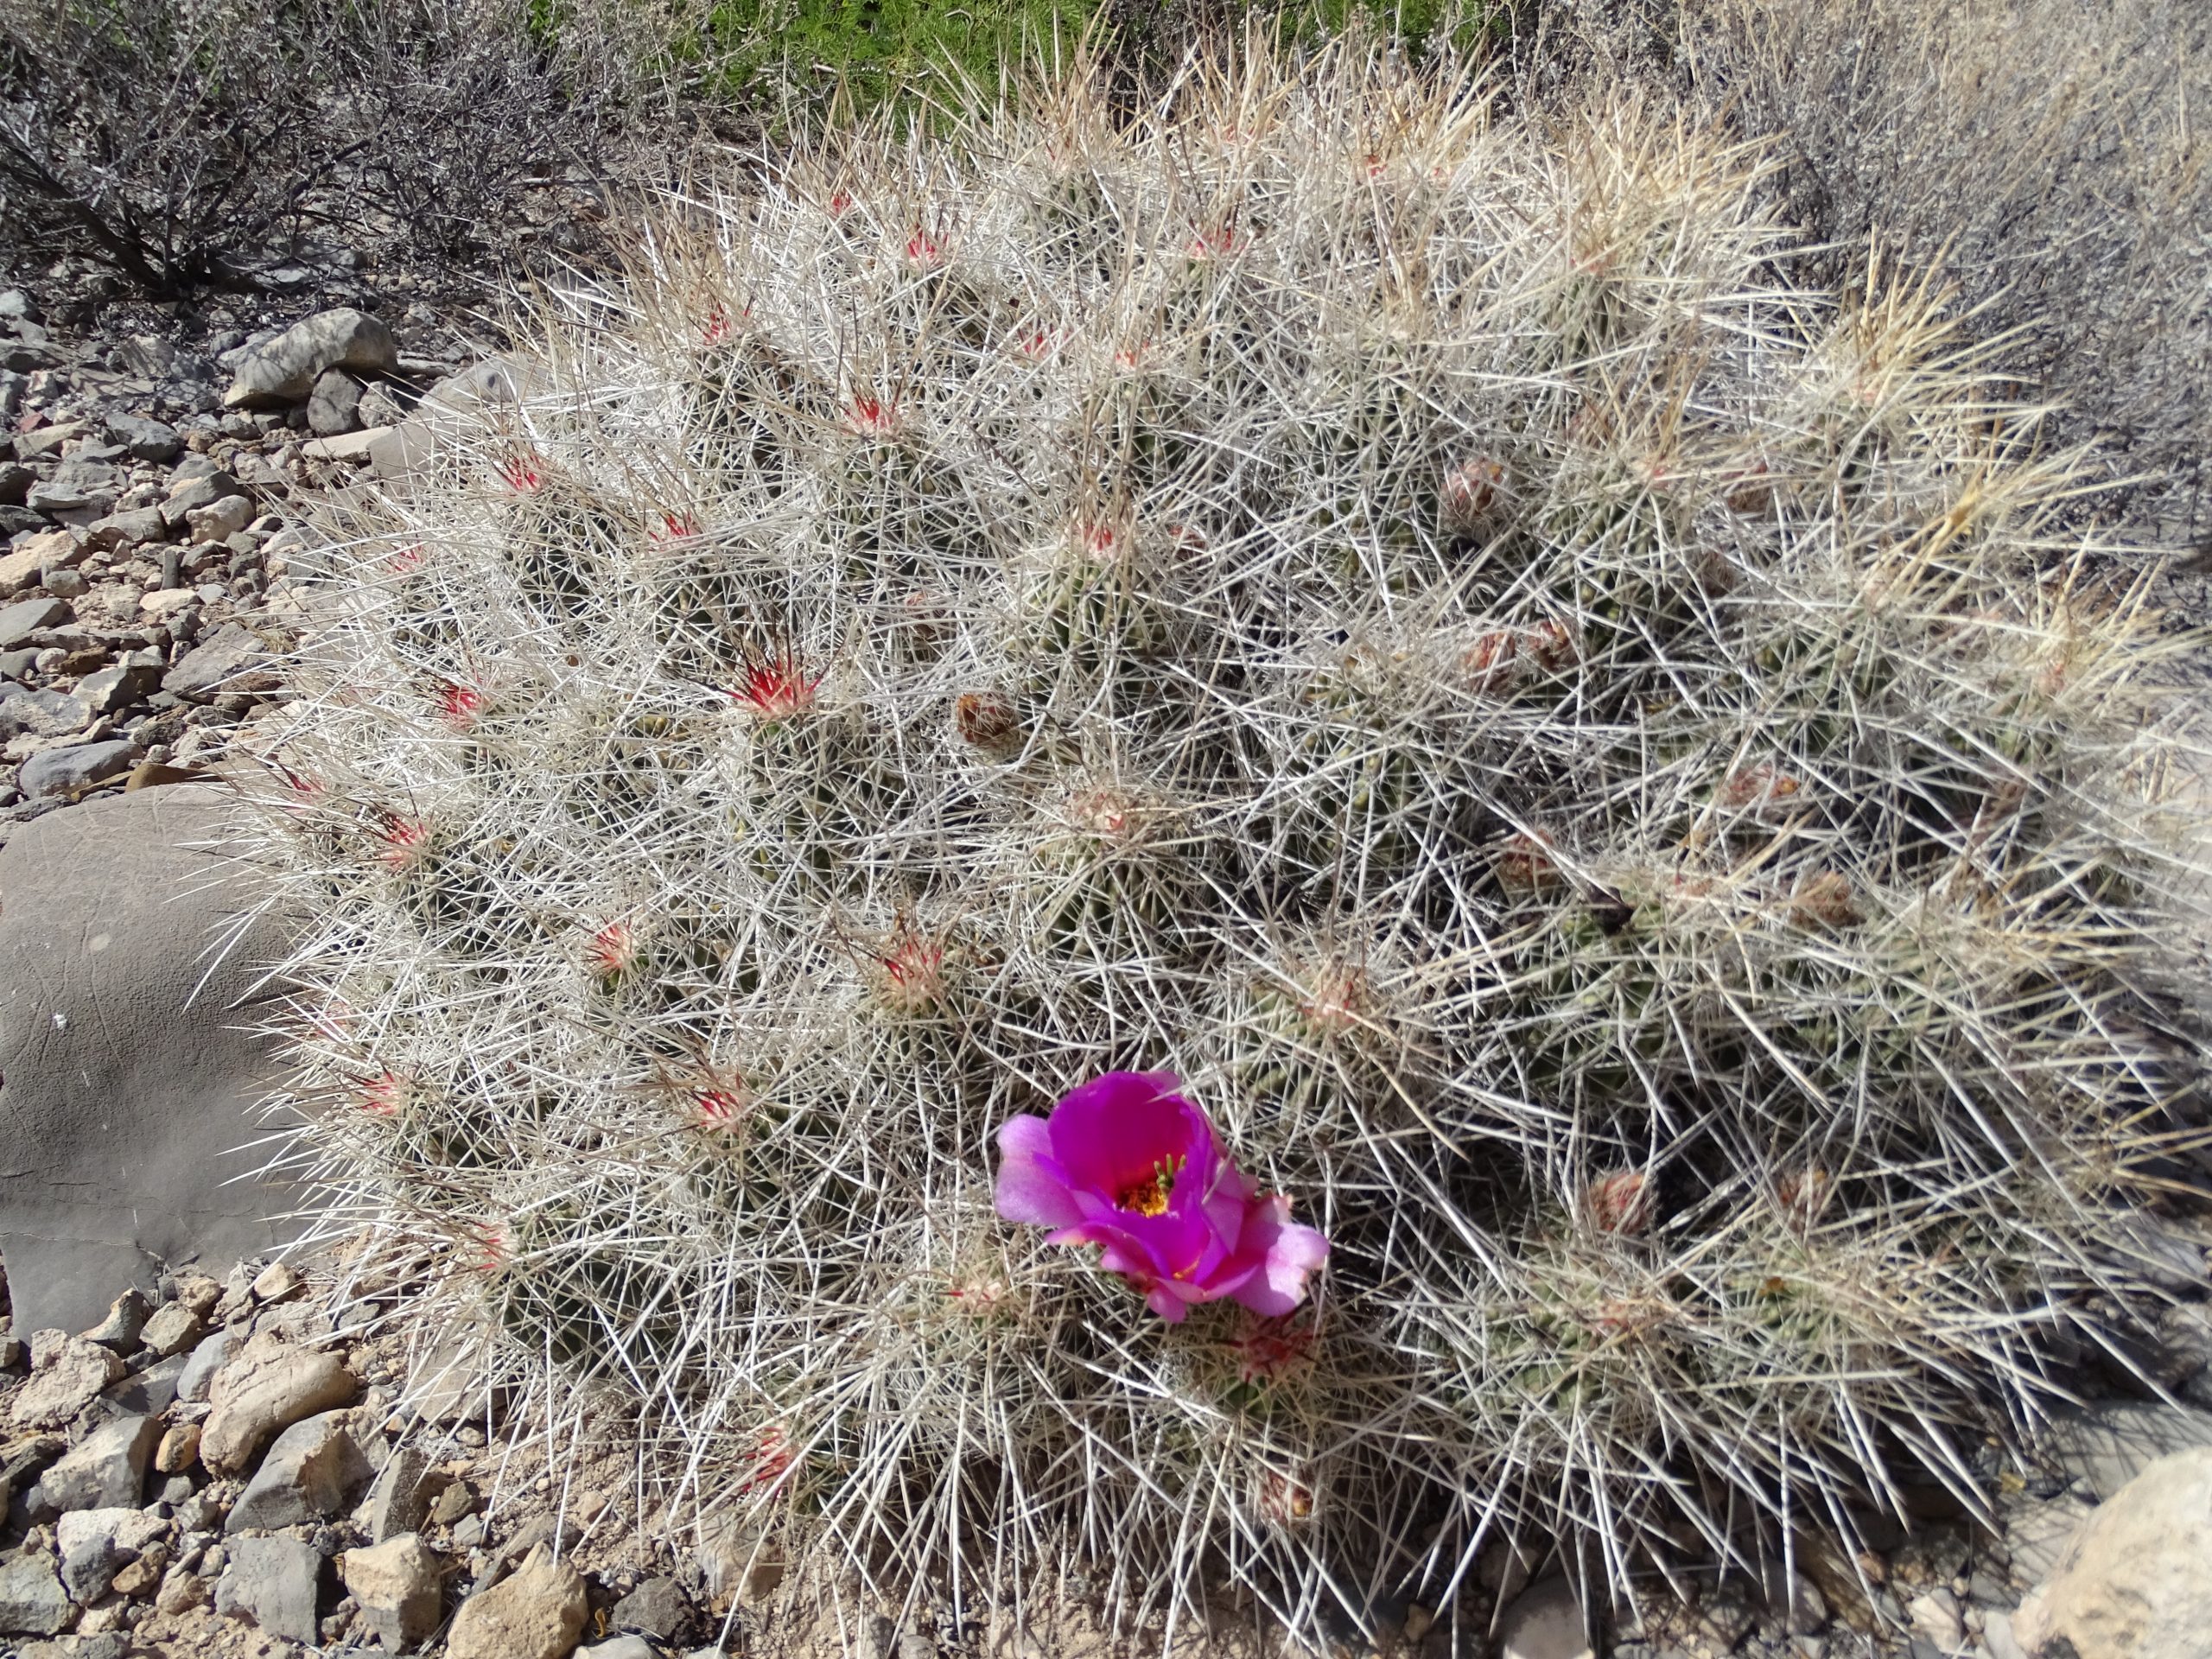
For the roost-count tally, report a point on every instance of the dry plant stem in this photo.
(1603, 773)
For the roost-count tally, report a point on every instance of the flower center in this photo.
(1149, 1196)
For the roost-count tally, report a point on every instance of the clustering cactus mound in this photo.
(1603, 774)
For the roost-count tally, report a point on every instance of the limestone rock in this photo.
(174, 1328)
(2135, 1583)
(537, 1614)
(259, 1395)
(180, 1591)
(398, 1585)
(308, 1475)
(42, 712)
(178, 1449)
(457, 1500)
(285, 370)
(355, 448)
(219, 520)
(109, 1644)
(1935, 1616)
(196, 493)
(279, 1281)
(106, 1469)
(97, 1546)
(68, 1374)
(129, 1088)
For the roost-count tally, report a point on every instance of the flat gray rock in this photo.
(146, 440)
(41, 713)
(32, 1600)
(209, 1357)
(309, 1474)
(271, 1583)
(201, 670)
(68, 772)
(26, 617)
(399, 1499)
(659, 1608)
(451, 412)
(127, 1105)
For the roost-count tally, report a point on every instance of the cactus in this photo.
(1609, 778)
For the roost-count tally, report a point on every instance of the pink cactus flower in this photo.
(914, 972)
(522, 473)
(302, 794)
(773, 1454)
(402, 842)
(872, 417)
(777, 685)
(924, 251)
(613, 950)
(386, 1094)
(1284, 1500)
(490, 1248)
(1127, 1163)
(460, 706)
(1218, 242)
(721, 1107)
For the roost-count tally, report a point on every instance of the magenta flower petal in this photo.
(1126, 1163)
(1288, 1253)
(1032, 1187)
(1112, 1134)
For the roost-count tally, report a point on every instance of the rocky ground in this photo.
(262, 1468)
(144, 486)
(234, 1468)
(223, 1470)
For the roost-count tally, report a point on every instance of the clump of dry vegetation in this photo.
(2051, 160)
(188, 143)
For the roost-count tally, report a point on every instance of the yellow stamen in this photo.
(1150, 1196)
